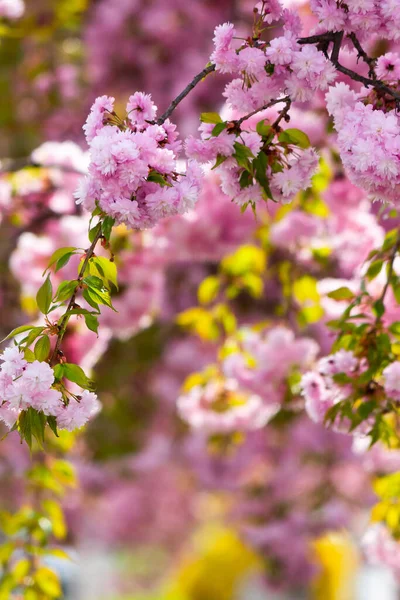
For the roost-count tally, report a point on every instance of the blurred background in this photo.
(152, 510)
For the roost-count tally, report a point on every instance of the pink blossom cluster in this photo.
(268, 70)
(221, 407)
(381, 549)
(391, 380)
(66, 155)
(348, 231)
(26, 385)
(263, 361)
(364, 17)
(294, 174)
(12, 9)
(369, 142)
(319, 388)
(133, 175)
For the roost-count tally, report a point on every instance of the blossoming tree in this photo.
(270, 212)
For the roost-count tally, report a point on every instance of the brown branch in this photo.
(66, 317)
(199, 77)
(362, 54)
(283, 114)
(336, 38)
(286, 99)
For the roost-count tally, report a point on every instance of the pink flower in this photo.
(140, 108)
(95, 120)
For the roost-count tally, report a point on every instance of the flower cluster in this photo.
(266, 70)
(262, 361)
(381, 549)
(133, 172)
(320, 390)
(363, 17)
(368, 140)
(12, 9)
(221, 407)
(391, 380)
(25, 385)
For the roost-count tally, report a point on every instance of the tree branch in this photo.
(66, 317)
(334, 58)
(286, 99)
(199, 77)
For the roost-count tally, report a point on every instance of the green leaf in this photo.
(378, 308)
(58, 254)
(246, 179)
(92, 322)
(52, 422)
(76, 374)
(47, 581)
(210, 117)
(44, 296)
(219, 128)
(390, 240)
(63, 261)
(374, 269)
(242, 155)
(42, 348)
(65, 290)
(17, 331)
(260, 164)
(95, 231)
(108, 224)
(264, 129)
(34, 333)
(220, 159)
(295, 137)
(208, 289)
(342, 293)
(156, 177)
(90, 300)
(94, 282)
(106, 269)
(100, 297)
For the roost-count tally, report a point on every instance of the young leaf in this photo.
(211, 117)
(295, 137)
(76, 374)
(42, 348)
(109, 222)
(65, 290)
(106, 268)
(63, 261)
(219, 128)
(55, 257)
(92, 322)
(220, 159)
(17, 331)
(44, 296)
(342, 293)
(94, 231)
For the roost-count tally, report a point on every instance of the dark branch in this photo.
(362, 54)
(206, 71)
(286, 99)
(71, 303)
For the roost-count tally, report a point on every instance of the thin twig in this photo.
(206, 71)
(362, 54)
(71, 303)
(286, 99)
(334, 58)
(282, 114)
